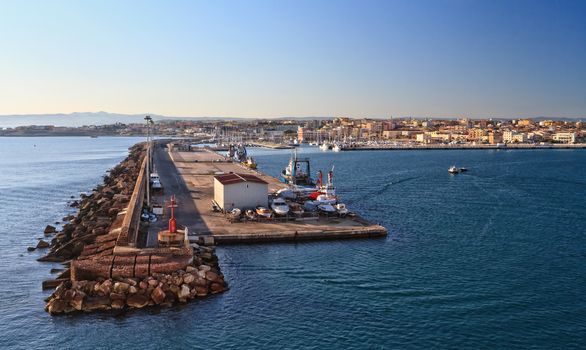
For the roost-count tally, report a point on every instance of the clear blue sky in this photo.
(295, 58)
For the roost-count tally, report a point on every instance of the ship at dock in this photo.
(298, 172)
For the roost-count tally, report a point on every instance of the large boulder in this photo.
(183, 293)
(49, 229)
(96, 303)
(158, 295)
(77, 300)
(121, 287)
(137, 301)
(42, 244)
(57, 306)
(188, 278)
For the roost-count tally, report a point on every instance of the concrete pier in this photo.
(189, 175)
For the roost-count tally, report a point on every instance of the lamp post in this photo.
(149, 121)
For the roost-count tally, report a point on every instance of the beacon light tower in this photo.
(172, 237)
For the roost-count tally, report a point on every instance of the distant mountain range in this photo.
(99, 118)
(102, 118)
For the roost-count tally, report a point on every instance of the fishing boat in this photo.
(327, 191)
(297, 171)
(279, 206)
(264, 212)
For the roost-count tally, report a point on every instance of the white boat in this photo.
(250, 214)
(264, 212)
(453, 170)
(287, 193)
(279, 206)
(341, 209)
(324, 147)
(326, 199)
(235, 212)
(336, 148)
(326, 208)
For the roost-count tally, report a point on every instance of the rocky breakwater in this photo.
(199, 279)
(98, 210)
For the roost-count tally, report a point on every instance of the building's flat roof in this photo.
(233, 178)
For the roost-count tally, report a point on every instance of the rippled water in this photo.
(493, 258)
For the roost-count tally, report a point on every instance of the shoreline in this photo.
(467, 147)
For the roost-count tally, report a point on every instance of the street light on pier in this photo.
(149, 122)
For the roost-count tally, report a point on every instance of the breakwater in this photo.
(107, 269)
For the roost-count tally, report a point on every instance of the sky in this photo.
(264, 59)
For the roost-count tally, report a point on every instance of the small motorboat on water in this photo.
(455, 170)
(279, 206)
(264, 212)
(337, 148)
(341, 209)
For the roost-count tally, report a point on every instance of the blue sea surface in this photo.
(494, 258)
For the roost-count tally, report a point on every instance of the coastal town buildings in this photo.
(343, 130)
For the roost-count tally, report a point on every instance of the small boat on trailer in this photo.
(326, 208)
(264, 212)
(296, 209)
(341, 209)
(279, 206)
